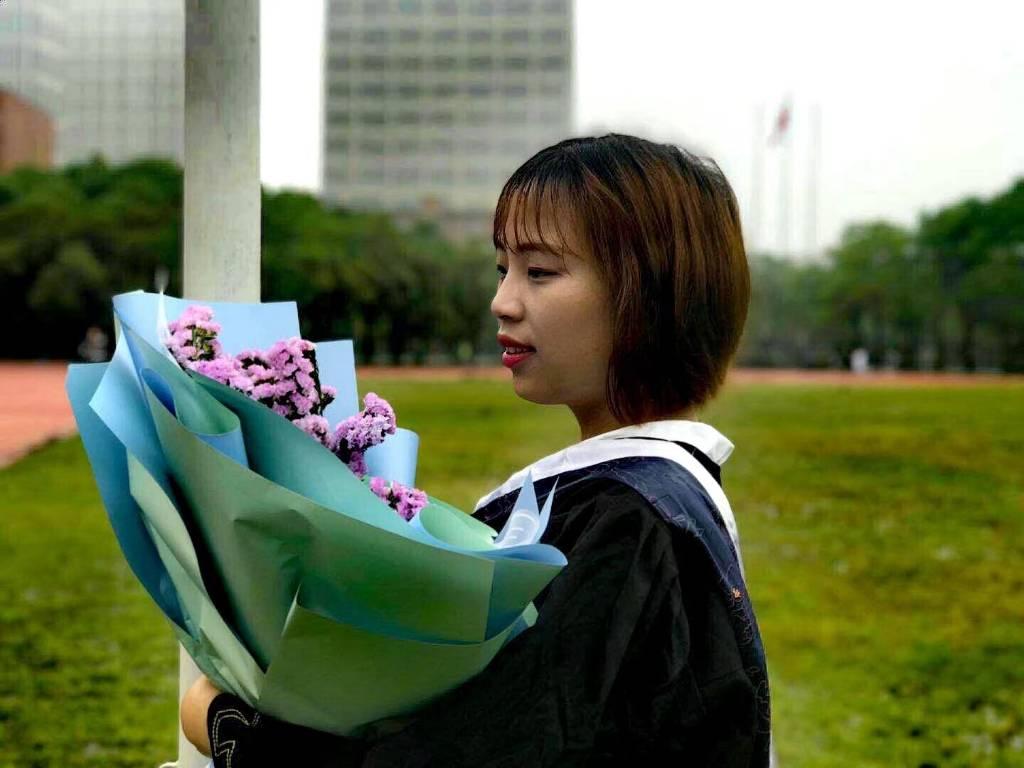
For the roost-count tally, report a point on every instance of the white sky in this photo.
(921, 103)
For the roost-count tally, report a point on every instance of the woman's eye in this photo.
(533, 274)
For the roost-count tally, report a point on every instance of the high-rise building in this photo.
(430, 104)
(32, 52)
(124, 91)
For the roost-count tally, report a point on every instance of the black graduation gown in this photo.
(641, 653)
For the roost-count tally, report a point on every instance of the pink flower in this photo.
(406, 501)
(285, 379)
(315, 426)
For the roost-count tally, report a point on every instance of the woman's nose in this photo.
(506, 303)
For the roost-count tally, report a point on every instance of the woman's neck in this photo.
(594, 420)
(597, 420)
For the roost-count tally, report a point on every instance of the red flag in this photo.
(781, 125)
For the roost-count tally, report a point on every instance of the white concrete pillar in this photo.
(221, 243)
(222, 150)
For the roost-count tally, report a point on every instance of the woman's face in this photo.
(556, 308)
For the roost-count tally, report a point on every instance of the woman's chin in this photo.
(533, 391)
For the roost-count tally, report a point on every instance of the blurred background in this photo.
(875, 151)
(877, 155)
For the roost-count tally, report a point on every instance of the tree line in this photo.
(948, 293)
(72, 238)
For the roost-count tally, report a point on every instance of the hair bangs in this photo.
(535, 207)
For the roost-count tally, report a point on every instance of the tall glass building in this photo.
(430, 104)
(124, 89)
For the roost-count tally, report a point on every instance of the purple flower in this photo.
(315, 426)
(357, 463)
(406, 501)
(226, 370)
(193, 336)
(378, 406)
(285, 379)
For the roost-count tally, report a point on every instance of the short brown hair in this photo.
(665, 230)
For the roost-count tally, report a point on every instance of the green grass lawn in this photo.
(882, 531)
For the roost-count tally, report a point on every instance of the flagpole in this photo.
(784, 186)
(756, 181)
(813, 181)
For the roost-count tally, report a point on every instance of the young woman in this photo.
(622, 293)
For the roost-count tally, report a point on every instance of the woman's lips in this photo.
(512, 359)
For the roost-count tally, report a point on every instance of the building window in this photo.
(516, 35)
(479, 36)
(516, 63)
(514, 90)
(339, 62)
(446, 35)
(372, 90)
(373, 118)
(441, 118)
(375, 63)
(444, 63)
(409, 90)
(339, 90)
(445, 90)
(480, 89)
(553, 35)
(481, 63)
(410, 6)
(410, 35)
(446, 7)
(552, 62)
(410, 63)
(375, 148)
(408, 118)
(375, 35)
(336, 117)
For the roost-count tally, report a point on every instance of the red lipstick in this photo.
(515, 351)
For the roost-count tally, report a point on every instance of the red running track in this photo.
(35, 410)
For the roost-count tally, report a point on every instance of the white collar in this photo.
(703, 437)
(611, 445)
(617, 444)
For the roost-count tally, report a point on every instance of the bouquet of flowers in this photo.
(286, 379)
(270, 539)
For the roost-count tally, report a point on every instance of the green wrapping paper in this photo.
(294, 586)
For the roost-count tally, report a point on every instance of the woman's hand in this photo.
(194, 708)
